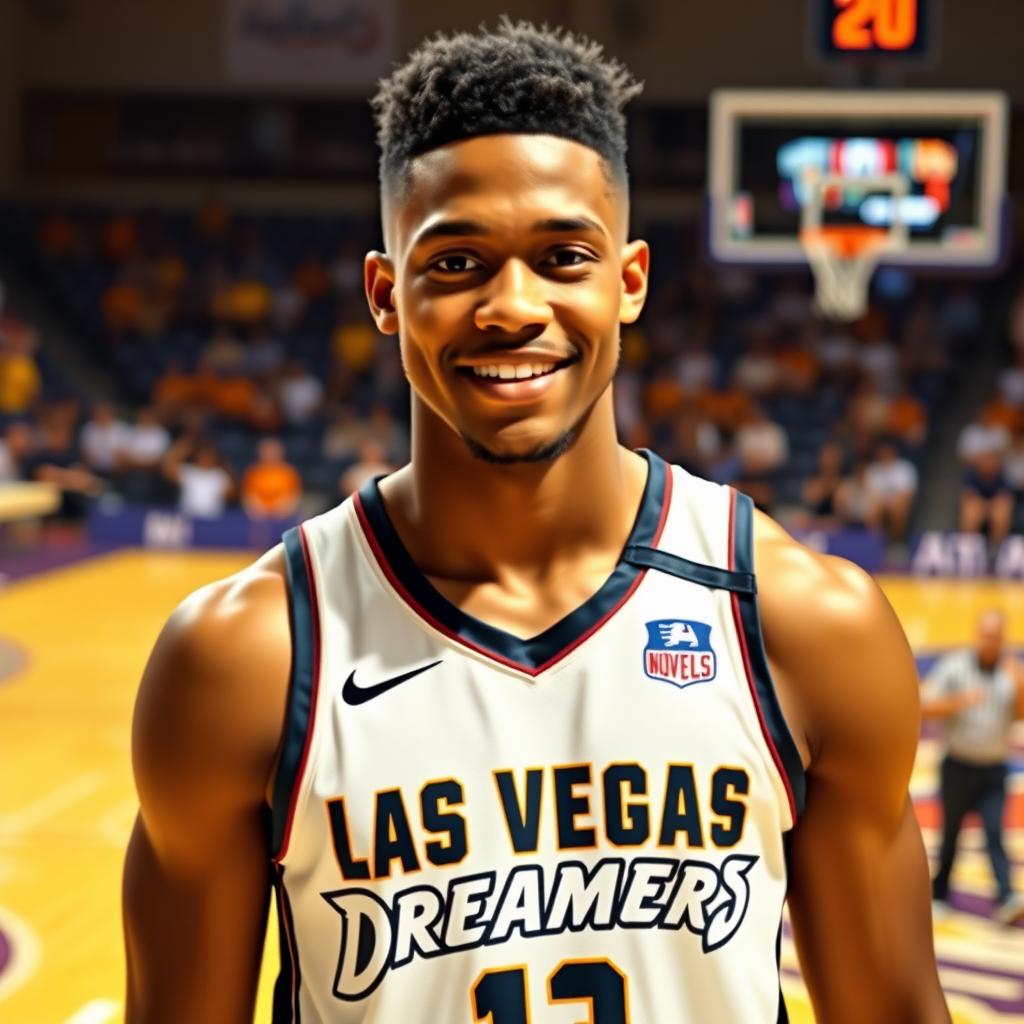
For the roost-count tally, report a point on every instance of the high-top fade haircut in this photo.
(516, 78)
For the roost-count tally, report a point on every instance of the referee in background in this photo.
(978, 692)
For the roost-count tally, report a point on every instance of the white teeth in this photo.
(509, 371)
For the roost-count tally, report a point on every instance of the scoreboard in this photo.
(848, 29)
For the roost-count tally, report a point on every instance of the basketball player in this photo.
(524, 753)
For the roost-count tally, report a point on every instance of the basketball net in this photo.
(843, 257)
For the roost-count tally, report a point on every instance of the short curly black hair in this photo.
(516, 78)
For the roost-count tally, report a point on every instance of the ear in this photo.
(379, 284)
(636, 262)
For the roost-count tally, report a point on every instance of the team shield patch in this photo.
(679, 652)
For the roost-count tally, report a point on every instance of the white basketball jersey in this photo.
(586, 825)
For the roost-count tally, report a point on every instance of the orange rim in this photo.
(847, 240)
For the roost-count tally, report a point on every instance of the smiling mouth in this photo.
(513, 371)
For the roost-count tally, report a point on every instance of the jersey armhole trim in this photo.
(304, 622)
(747, 619)
(286, 1008)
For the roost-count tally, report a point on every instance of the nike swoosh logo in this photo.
(352, 694)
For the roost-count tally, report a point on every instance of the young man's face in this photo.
(507, 277)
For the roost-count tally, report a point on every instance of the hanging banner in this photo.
(339, 44)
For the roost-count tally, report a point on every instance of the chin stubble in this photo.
(544, 453)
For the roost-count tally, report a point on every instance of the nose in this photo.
(514, 302)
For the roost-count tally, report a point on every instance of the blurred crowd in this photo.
(991, 447)
(246, 370)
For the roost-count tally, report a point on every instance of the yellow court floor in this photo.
(73, 643)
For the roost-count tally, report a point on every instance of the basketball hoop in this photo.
(843, 257)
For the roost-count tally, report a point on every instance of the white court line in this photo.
(24, 953)
(99, 1011)
(1006, 989)
(38, 811)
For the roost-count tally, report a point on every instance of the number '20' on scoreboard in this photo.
(842, 29)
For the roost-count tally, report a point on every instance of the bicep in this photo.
(859, 890)
(197, 873)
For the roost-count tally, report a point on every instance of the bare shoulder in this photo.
(836, 648)
(210, 707)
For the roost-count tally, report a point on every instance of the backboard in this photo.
(767, 146)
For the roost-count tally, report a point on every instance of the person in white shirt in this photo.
(102, 438)
(890, 482)
(977, 692)
(984, 436)
(205, 485)
(146, 441)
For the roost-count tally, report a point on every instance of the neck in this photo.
(463, 518)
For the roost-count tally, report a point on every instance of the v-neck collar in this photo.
(539, 652)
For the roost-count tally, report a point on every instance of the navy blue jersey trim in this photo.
(764, 687)
(286, 1009)
(783, 1014)
(547, 646)
(300, 689)
(694, 572)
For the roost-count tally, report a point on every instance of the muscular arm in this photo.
(859, 894)
(207, 723)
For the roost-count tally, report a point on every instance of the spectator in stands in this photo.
(227, 392)
(1013, 465)
(890, 483)
(985, 435)
(271, 487)
(354, 341)
(16, 447)
(837, 350)
(879, 359)
(798, 364)
(696, 368)
(696, 442)
(392, 436)
(346, 272)
(311, 278)
(906, 420)
(205, 484)
(140, 457)
(21, 383)
(57, 461)
(300, 394)
(819, 491)
(102, 438)
(372, 462)
(986, 501)
(123, 306)
(757, 370)
(762, 448)
(266, 355)
(727, 408)
(175, 390)
(851, 501)
(224, 352)
(343, 436)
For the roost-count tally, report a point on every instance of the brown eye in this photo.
(568, 258)
(457, 263)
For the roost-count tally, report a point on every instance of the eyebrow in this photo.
(551, 225)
